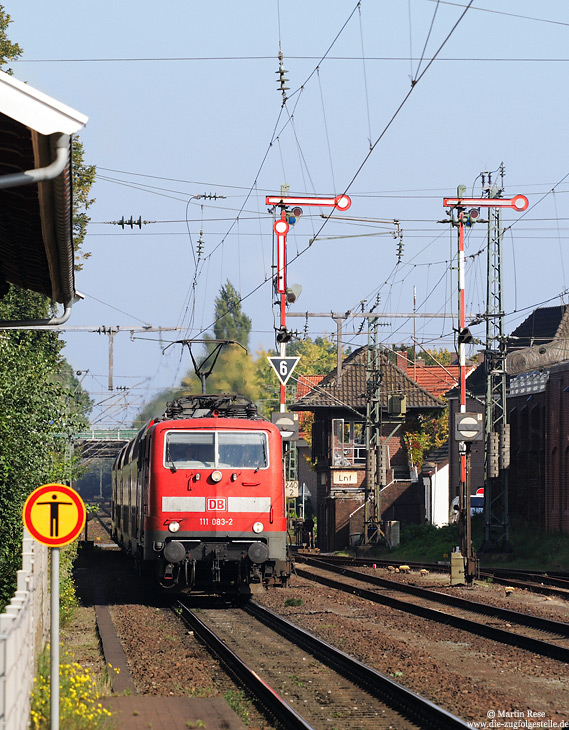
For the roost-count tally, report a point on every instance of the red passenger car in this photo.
(198, 496)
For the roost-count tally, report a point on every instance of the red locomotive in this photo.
(198, 495)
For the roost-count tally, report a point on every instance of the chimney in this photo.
(402, 361)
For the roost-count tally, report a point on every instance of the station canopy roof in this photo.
(36, 232)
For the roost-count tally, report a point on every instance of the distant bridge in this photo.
(103, 443)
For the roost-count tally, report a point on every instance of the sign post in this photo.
(459, 206)
(281, 227)
(54, 515)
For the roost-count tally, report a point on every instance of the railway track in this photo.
(326, 689)
(554, 584)
(521, 630)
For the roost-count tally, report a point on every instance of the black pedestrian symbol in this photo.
(54, 514)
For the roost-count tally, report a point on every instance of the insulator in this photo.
(382, 466)
(505, 446)
(131, 222)
(493, 454)
(399, 250)
(282, 80)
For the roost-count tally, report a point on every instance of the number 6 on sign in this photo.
(283, 367)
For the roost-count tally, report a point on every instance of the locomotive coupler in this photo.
(190, 572)
(216, 568)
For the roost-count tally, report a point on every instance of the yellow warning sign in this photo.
(54, 514)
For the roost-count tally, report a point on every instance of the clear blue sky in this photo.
(182, 100)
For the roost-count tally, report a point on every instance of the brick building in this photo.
(538, 412)
(339, 448)
(538, 389)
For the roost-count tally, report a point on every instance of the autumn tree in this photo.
(317, 357)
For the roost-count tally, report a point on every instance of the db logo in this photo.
(216, 504)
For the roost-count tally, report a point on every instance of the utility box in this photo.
(397, 405)
(457, 569)
(392, 533)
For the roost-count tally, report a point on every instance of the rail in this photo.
(417, 710)
(537, 646)
(280, 709)
(23, 631)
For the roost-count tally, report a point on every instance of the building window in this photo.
(348, 443)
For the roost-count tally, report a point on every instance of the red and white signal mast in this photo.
(282, 365)
(467, 429)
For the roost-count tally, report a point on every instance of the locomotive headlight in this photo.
(258, 527)
(173, 526)
(216, 476)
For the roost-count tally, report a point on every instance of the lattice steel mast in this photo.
(496, 427)
(372, 509)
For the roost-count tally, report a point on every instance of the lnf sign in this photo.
(344, 477)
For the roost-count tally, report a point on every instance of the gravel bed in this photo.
(164, 657)
(521, 600)
(467, 675)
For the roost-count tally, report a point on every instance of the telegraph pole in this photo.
(103, 330)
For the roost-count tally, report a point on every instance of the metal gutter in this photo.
(51, 124)
(62, 145)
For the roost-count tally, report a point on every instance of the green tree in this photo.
(8, 51)
(157, 405)
(231, 323)
(38, 415)
(41, 401)
(83, 179)
(436, 357)
(234, 370)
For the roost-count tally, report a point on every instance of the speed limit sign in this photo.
(283, 367)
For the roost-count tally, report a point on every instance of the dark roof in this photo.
(36, 247)
(36, 228)
(541, 326)
(540, 342)
(351, 391)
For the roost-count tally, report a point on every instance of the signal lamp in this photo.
(283, 335)
(465, 337)
(293, 292)
(173, 526)
(258, 527)
(216, 476)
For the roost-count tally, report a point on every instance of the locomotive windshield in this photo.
(217, 450)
